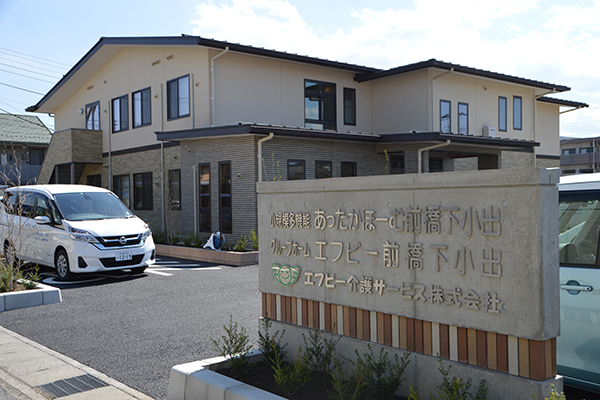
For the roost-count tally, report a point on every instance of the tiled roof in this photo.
(24, 129)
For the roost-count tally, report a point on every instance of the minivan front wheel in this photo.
(61, 262)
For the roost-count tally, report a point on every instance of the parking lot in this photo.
(135, 328)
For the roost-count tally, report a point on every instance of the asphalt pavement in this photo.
(134, 329)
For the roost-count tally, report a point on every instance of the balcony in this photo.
(578, 159)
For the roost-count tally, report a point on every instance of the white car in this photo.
(74, 228)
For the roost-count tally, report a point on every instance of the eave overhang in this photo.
(433, 63)
(303, 133)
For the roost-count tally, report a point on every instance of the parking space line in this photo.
(153, 271)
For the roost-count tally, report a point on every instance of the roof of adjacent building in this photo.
(106, 48)
(23, 129)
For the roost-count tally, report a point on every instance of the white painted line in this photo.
(150, 271)
(206, 268)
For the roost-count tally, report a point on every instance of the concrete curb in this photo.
(197, 380)
(41, 295)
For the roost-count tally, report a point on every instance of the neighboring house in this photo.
(23, 140)
(579, 155)
(182, 128)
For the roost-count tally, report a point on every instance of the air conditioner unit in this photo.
(489, 131)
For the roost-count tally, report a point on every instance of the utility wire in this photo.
(28, 70)
(5, 50)
(26, 76)
(25, 90)
(60, 72)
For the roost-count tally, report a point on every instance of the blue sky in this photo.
(548, 40)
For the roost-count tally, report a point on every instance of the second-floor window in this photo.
(141, 108)
(502, 114)
(120, 120)
(349, 106)
(586, 150)
(319, 105)
(517, 113)
(463, 119)
(92, 116)
(445, 121)
(568, 151)
(178, 97)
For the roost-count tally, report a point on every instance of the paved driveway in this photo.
(135, 328)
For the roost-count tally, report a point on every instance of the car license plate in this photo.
(123, 257)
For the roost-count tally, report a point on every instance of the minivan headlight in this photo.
(82, 236)
(146, 234)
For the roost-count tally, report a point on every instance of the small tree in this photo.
(18, 233)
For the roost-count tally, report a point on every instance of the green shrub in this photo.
(8, 277)
(241, 243)
(320, 351)
(160, 237)
(31, 279)
(382, 375)
(291, 377)
(456, 388)
(234, 346)
(271, 346)
(253, 238)
(351, 389)
(187, 241)
(196, 240)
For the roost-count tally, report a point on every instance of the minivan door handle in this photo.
(577, 288)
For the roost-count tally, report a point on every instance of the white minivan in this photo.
(74, 228)
(578, 346)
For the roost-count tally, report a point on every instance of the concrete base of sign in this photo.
(197, 380)
(423, 374)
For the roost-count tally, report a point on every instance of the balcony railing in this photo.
(575, 159)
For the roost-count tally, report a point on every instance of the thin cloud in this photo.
(516, 37)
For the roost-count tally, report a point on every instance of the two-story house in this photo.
(182, 128)
(23, 143)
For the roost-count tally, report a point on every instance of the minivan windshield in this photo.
(91, 205)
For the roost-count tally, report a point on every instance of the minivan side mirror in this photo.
(42, 220)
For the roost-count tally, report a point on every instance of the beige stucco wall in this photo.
(400, 103)
(254, 89)
(547, 129)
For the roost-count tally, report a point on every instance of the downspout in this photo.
(260, 142)
(420, 153)
(433, 96)
(109, 150)
(195, 185)
(162, 163)
(212, 86)
(534, 133)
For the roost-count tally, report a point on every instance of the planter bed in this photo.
(233, 258)
(43, 294)
(199, 381)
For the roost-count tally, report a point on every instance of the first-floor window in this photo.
(502, 114)
(94, 180)
(175, 189)
(348, 168)
(296, 170)
(92, 116)
(121, 188)
(463, 119)
(120, 120)
(568, 171)
(396, 163)
(225, 223)
(322, 169)
(436, 164)
(142, 194)
(586, 171)
(205, 220)
(445, 120)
